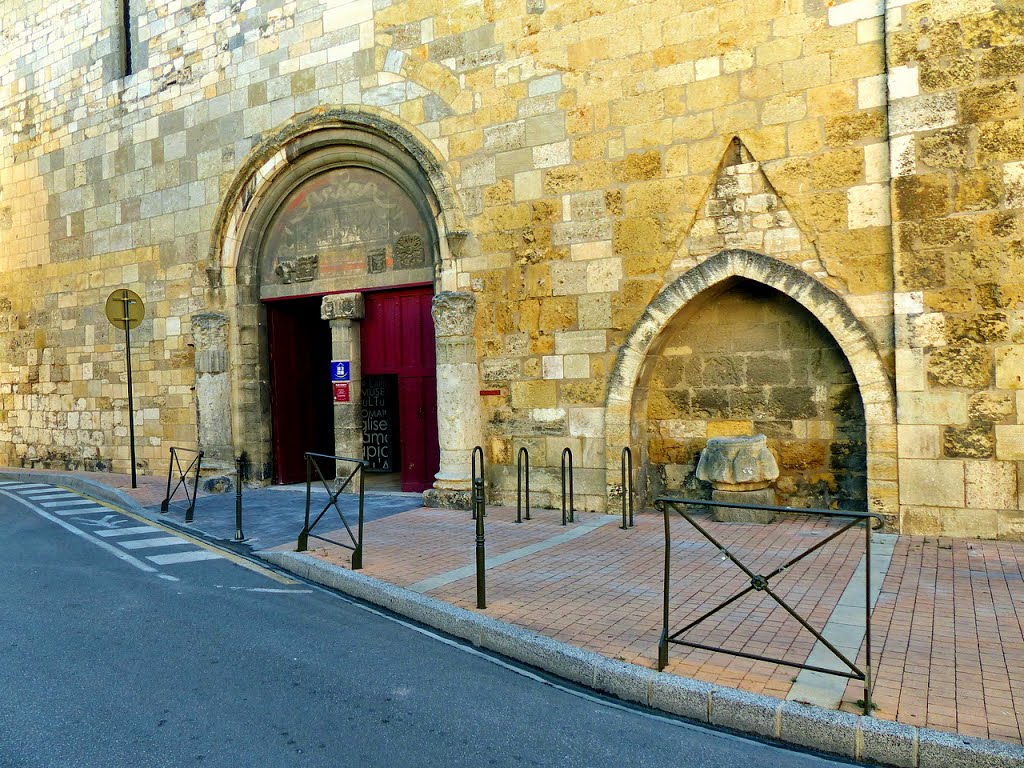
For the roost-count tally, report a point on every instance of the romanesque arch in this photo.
(364, 144)
(873, 380)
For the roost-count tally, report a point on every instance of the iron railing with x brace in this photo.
(356, 539)
(196, 462)
(761, 583)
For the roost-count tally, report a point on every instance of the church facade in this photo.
(401, 229)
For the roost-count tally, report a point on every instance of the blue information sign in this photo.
(340, 370)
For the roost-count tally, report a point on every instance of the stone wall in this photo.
(579, 173)
(958, 226)
(748, 360)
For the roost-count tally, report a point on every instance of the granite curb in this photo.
(840, 733)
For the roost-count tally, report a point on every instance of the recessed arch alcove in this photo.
(629, 396)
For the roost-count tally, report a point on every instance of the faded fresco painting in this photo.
(346, 221)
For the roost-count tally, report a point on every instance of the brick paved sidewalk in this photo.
(948, 625)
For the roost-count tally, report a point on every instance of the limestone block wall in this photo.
(749, 360)
(585, 177)
(958, 221)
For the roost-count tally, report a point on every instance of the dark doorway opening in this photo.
(397, 343)
(301, 396)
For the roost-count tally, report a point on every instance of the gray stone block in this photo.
(824, 729)
(628, 682)
(765, 496)
(682, 696)
(888, 743)
(936, 749)
(542, 652)
(746, 712)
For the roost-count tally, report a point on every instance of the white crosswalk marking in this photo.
(160, 541)
(126, 531)
(183, 557)
(50, 500)
(77, 501)
(79, 510)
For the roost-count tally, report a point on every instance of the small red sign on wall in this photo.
(341, 393)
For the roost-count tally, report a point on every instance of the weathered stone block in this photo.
(762, 497)
(928, 482)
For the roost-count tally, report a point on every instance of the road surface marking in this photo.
(183, 557)
(72, 502)
(79, 510)
(160, 541)
(44, 495)
(79, 532)
(69, 509)
(127, 531)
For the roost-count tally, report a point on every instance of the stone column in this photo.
(459, 417)
(343, 310)
(213, 387)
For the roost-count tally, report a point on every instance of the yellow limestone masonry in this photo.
(678, 219)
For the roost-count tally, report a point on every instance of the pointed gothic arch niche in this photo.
(337, 202)
(650, 395)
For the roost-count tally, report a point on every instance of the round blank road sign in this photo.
(124, 306)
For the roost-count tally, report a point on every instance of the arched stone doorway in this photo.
(337, 218)
(629, 391)
(353, 228)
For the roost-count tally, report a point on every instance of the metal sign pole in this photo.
(131, 405)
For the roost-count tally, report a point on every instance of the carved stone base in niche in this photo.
(409, 251)
(376, 260)
(302, 270)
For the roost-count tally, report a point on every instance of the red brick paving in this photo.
(948, 627)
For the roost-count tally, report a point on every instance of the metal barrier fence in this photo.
(196, 462)
(760, 583)
(356, 539)
(520, 474)
(627, 486)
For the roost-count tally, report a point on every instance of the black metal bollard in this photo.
(522, 457)
(481, 558)
(567, 455)
(239, 476)
(478, 451)
(303, 543)
(627, 486)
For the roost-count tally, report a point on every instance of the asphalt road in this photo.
(163, 653)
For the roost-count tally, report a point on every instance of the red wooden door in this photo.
(397, 337)
(302, 410)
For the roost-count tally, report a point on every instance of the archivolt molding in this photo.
(361, 128)
(874, 382)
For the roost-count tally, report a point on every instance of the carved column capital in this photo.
(453, 313)
(342, 306)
